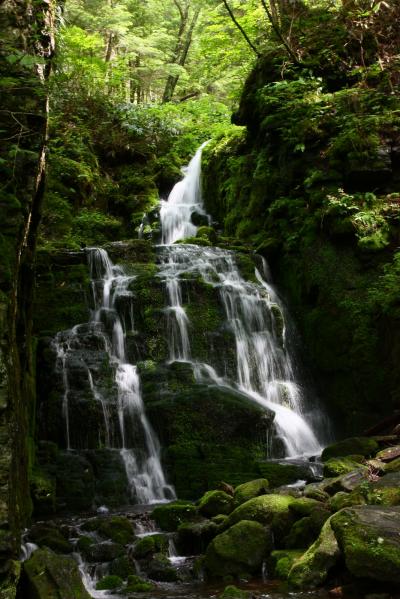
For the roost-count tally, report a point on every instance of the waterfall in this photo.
(253, 312)
(138, 445)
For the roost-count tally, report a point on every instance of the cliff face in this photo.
(25, 53)
(312, 181)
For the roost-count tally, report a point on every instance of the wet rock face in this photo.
(369, 537)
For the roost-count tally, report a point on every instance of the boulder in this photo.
(104, 552)
(239, 550)
(305, 506)
(159, 568)
(369, 537)
(168, 517)
(123, 567)
(193, 537)
(312, 569)
(306, 530)
(249, 490)
(364, 446)
(136, 584)
(116, 528)
(150, 544)
(272, 510)
(232, 592)
(348, 482)
(215, 502)
(110, 582)
(48, 535)
(280, 473)
(393, 466)
(389, 454)
(339, 466)
(50, 575)
(281, 562)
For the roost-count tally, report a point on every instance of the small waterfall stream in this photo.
(253, 311)
(140, 452)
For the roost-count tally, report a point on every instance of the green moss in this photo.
(356, 445)
(150, 544)
(122, 567)
(312, 569)
(238, 550)
(109, 583)
(272, 510)
(251, 489)
(338, 466)
(51, 575)
(170, 516)
(281, 562)
(232, 592)
(116, 528)
(136, 584)
(215, 502)
(371, 547)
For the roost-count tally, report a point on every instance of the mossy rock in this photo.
(369, 537)
(305, 506)
(215, 502)
(281, 561)
(43, 492)
(193, 537)
(109, 583)
(122, 567)
(47, 535)
(169, 517)
(116, 528)
(343, 499)
(393, 466)
(347, 482)
(280, 474)
(272, 510)
(159, 568)
(306, 530)
(385, 491)
(249, 490)
(338, 466)
(316, 491)
(364, 446)
(50, 575)
(232, 592)
(84, 543)
(137, 584)
(104, 552)
(312, 569)
(149, 544)
(240, 549)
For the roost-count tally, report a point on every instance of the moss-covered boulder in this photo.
(281, 473)
(305, 506)
(123, 567)
(393, 466)
(343, 499)
(347, 482)
(312, 569)
(338, 466)
(193, 537)
(239, 550)
(111, 582)
(170, 516)
(389, 454)
(49, 535)
(116, 528)
(232, 592)
(364, 446)
(104, 552)
(50, 575)
(149, 544)
(137, 584)
(159, 568)
(306, 530)
(249, 490)
(215, 502)
(272, 510)
(369, 537)
(281, 561)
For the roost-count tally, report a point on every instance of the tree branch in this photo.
(279, 33)
(242, 31)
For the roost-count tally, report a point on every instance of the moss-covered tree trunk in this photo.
(25, 54)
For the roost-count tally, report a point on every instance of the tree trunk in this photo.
(181, 53)
(27, 34)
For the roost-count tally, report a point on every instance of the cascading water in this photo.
(253, 312)
(136, 441)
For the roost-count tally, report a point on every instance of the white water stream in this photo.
(253, 312)
(142, 461)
